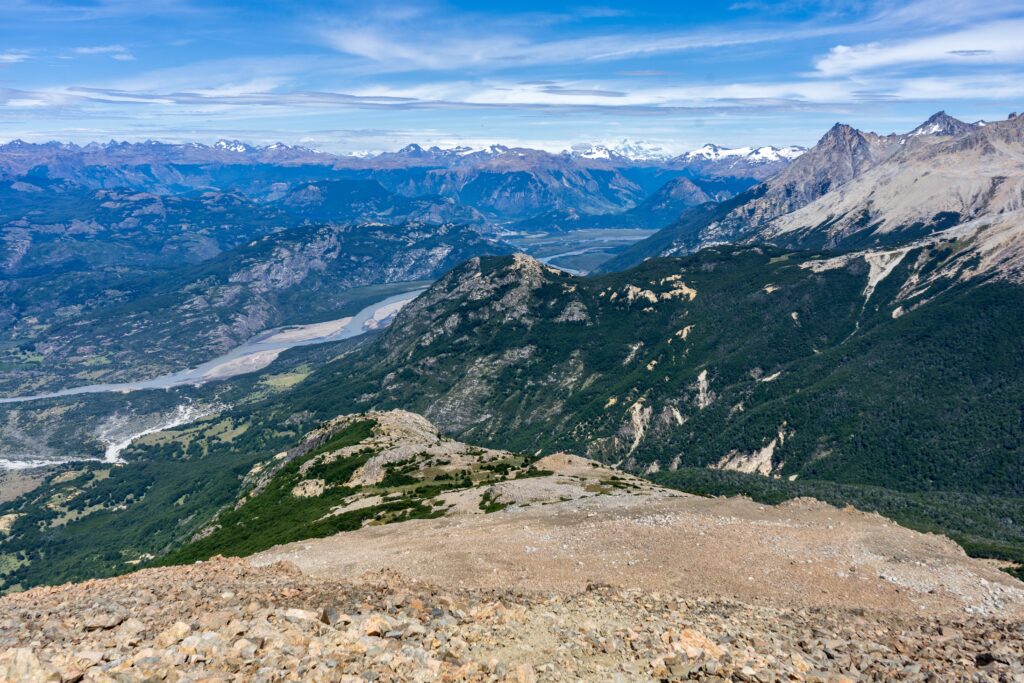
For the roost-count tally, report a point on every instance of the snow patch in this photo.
(765, 154)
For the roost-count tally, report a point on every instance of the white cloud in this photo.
(118, 52)
(995, 43)
(591, 94)
(13, 57)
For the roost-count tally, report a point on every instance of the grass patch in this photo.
(396, 479)
(489, 505)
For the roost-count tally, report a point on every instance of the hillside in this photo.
(382, 468)
(533, 570)
(706, 360)
(228, 619)
(662, 207)
(833, 375)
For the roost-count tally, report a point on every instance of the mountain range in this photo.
(501, 182)
(945, 180)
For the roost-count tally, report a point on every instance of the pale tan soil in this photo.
(311, 331)
(247, 363)
(14, 483)
(801, 553)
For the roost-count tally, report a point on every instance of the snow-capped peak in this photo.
(593, 152)
(633, 150)
(711, 152)
(941, 123)
(232, 146)
(776, 153)
(638, 150)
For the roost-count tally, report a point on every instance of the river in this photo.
(255, 354)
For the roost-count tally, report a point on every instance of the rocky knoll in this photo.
(227, 620)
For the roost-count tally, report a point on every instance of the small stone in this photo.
(22, 665)
(103, 622)
(332, 616)
(747, 675)
(524, 674)
(173, 634)
(375, 625)
(295, 614)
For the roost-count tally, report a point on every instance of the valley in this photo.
(577, 252)
(258, 352)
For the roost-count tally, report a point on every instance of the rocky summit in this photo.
(533, 569)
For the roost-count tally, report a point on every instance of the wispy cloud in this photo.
(118, 52)
(995, 43)
(397, 51)
(13, 56)
(407, 39)
(276, 96)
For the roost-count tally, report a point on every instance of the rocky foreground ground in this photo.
(570, 572)
(228, 620)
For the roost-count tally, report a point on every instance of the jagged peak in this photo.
(232, 146)
(839, 130)
(941, 123)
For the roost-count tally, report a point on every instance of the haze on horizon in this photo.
(344, 77)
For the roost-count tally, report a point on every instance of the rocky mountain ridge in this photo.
(856, 189)
(663, 207)
(19, 157)
(501, 182)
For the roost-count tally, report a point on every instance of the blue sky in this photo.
(343, 76)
